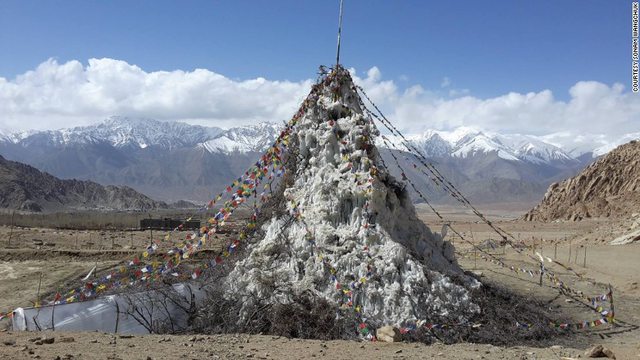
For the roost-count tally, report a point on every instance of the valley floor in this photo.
(25, 264)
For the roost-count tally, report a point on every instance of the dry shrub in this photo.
(500, 310)
(305, 316)
(311, 317)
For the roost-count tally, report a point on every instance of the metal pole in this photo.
(555, 251)
(584, 261)
(339, 33)
(569, 250)
(53, 314)
(533, 249)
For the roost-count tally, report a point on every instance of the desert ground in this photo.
(37, 262)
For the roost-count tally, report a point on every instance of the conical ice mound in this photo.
(350, 233)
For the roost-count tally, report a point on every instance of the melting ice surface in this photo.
(355, 228)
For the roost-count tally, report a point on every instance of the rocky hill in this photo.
(610, 187)
(26, 188)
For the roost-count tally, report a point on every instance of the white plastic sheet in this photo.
(110, 313)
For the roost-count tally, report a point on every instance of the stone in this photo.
(48, 340)
(600, 351)
(608, 353)
(67, 339)
(9, 342)
(388, 334)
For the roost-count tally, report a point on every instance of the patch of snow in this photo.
(471, 145)
(251, 138)
(467, 141)
(599, 151)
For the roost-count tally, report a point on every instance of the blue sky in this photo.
(557, 69)
(488, 47)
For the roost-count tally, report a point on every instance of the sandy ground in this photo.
(75, 253)
(108, 346)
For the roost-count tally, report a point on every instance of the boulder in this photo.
(599, 351)
(388, 334)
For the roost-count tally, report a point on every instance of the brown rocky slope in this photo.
(26, 188)
(609, 187)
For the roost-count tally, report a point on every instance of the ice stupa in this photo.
(348, 231)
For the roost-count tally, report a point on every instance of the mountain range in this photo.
(173, 161)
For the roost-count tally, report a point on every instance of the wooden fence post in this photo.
(475, 249)
(38, 294)
(612, 309)
(11, 231)
(541, 271)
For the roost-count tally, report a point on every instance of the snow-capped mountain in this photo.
(166, 160)
(466, 142)
(604, 149)
(243, 139)
(588, 145)
(173, 161)
(141, 133)
(463, 142)
(121, 131)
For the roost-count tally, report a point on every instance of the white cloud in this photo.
(58, 95)
(596, 114)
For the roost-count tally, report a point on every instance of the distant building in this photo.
(168, 224)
